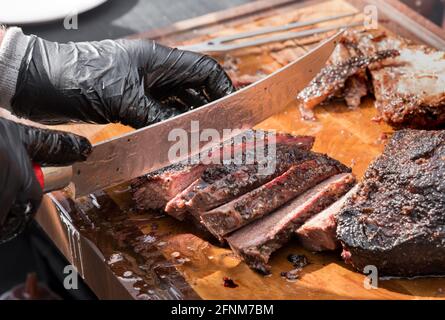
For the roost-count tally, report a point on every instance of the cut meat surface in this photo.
(355, 89)
(257, 241)
(332, 78)
(319, 232)
(154, 190)
(410, 91)
(263, 200)
(221, 184)
(396, 219)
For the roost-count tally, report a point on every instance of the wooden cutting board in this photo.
(122, 253)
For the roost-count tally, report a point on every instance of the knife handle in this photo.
(53, 178)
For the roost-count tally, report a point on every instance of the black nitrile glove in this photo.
(135, 82)
(20, 192)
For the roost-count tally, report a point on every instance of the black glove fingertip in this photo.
(54, 148)
(219, 84)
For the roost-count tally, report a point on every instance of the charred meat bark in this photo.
(257, 241)
(356, 86)
(319, 232)
(270, 196)
(410, 89)
(155, 189)
(299, 262)
(333, 78)
(396, 220)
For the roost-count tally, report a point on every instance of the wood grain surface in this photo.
(154, 256)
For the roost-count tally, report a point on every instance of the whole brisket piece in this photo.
(221, 184)
(255, 242)
(319, 232)
(396, 220)
(155, 189)
(270, 196)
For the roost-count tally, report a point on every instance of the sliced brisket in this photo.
(258, 240)
(318, 233)
(221, 184)
(265, 199)
(396, 220)
(155, 189)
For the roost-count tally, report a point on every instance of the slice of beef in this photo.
(319, 232)
(257, 241)
(221, 184)
(263, 200)
(155, 189)
(396, 220)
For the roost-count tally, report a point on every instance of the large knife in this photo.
(134, 154)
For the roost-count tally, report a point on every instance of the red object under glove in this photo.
(39, 174)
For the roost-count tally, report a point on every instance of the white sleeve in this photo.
(12, 51)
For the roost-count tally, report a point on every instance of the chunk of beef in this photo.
(410, 88)
(396, 220)
(333, 78)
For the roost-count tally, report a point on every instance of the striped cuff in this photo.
(12, 51)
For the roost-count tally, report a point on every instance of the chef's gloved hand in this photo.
(135, 82)
(20, 192)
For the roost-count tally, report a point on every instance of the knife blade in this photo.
(129, 156)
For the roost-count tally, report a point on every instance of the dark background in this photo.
(119, 18)
(432, 9)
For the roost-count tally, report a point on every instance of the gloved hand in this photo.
(20, 192)
(135, 82)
